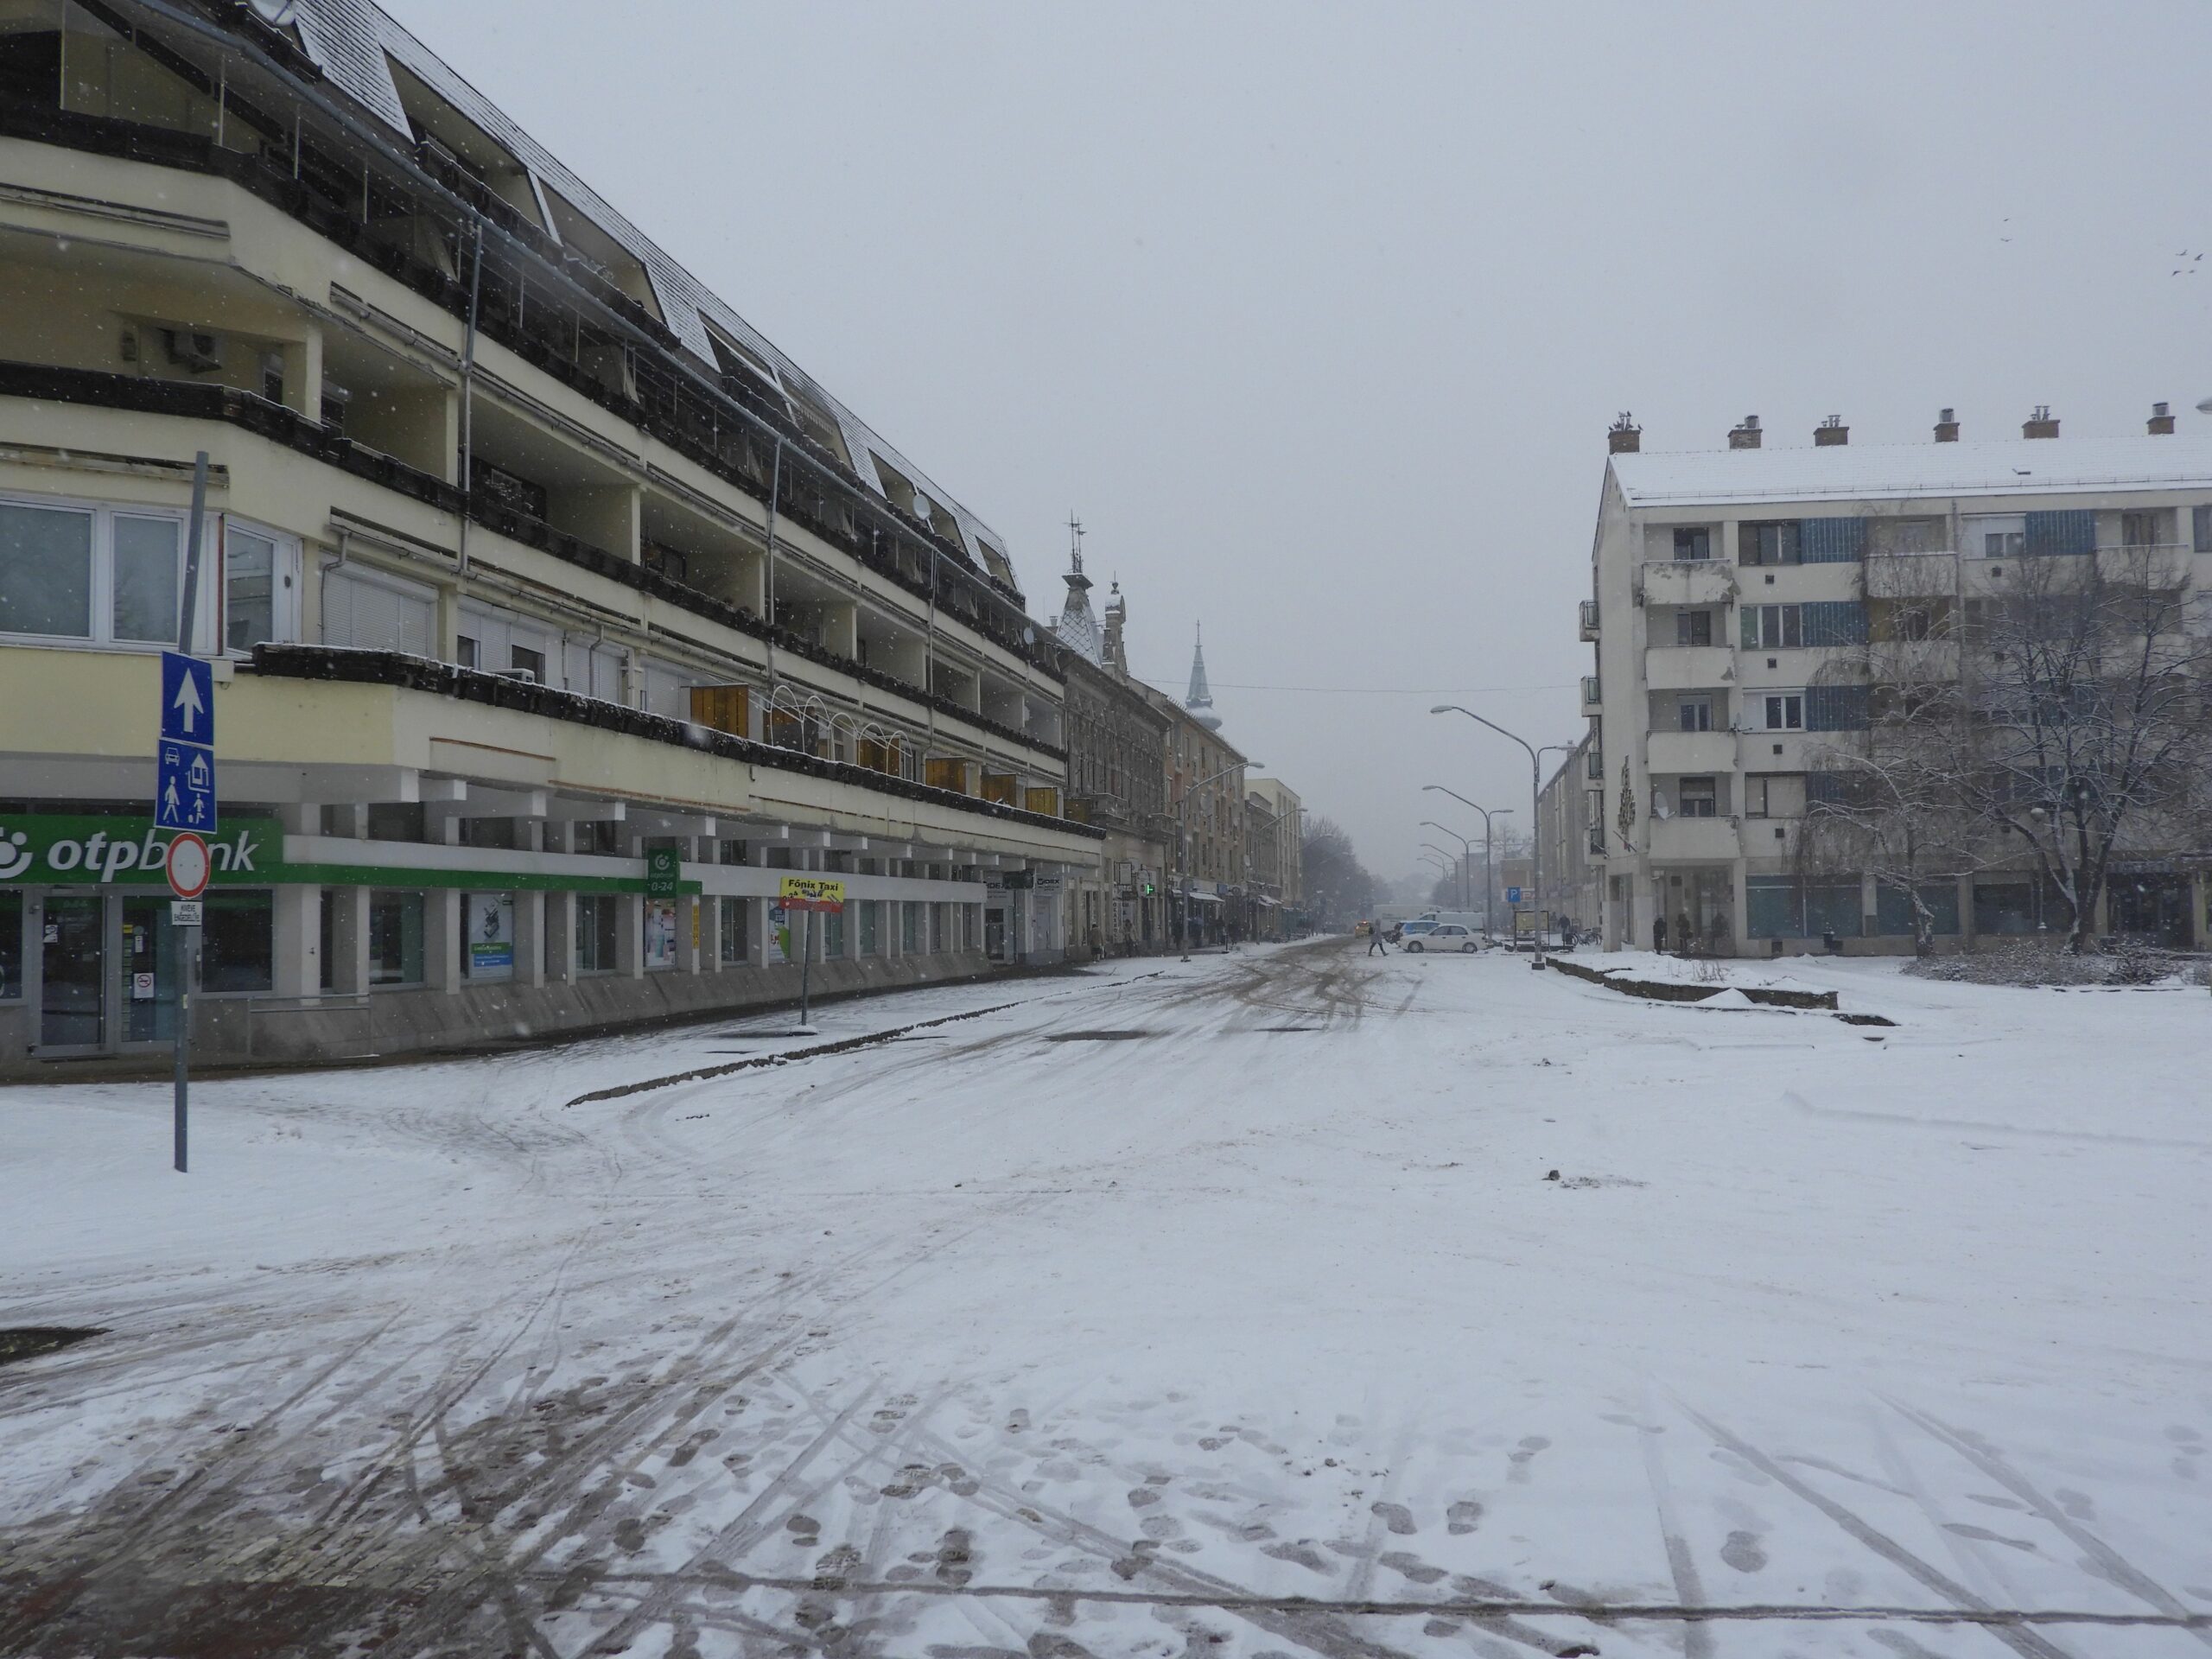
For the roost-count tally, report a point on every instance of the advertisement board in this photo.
(488, 924)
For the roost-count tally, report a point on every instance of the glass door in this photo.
(72, 972)
(148, 987)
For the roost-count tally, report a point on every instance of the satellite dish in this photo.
(2204, 406)
(922, 508)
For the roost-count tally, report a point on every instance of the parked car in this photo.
(1442, 935)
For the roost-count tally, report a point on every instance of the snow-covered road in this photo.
(1221, 1308)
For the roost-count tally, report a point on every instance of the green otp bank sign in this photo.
(43, 849)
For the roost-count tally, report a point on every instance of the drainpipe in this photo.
(775, 487)
(468, 393)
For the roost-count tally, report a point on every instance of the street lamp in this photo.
(1466, 852)
(1490, 883)
(1535, 810)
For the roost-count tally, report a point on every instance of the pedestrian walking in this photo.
(1375, 939)
(1659, 933)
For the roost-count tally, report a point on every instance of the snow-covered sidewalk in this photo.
(1230, 1306)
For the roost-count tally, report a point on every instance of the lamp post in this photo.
(1535, 810)
(1466, 852)
(1490, 883)
(1183, 843)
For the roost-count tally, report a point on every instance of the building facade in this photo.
(1751, 614)
(1117, 744)
(1571, 831)
(526, 565)
(1274, 857)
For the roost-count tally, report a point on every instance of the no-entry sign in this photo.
(189, 866)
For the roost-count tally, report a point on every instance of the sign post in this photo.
(184, 787)
(809, 893)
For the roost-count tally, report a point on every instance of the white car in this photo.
(1444, 935)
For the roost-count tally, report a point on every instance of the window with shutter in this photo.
(377, 614)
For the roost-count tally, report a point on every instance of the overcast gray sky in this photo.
(1318, 315)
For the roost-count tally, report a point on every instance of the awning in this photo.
(1269, 902)
(1206, 898)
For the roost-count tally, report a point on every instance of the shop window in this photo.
(910, 926)
(1893, 908)
(833, 935)
(598, 916)
(869, 943)
(11, 946)
(238, 940)
(659, 939)
(735, 920)
(395, 938)
(487, 936)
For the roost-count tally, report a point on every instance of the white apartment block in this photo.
(1730, 601)
(557, 616)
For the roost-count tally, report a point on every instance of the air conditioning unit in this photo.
(194, 350)
(526, 676)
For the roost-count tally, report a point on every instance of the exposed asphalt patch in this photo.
(29, 1341)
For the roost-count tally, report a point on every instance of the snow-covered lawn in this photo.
(1225, 1308)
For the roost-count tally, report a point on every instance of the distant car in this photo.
(1412, 930)
(1442, 935)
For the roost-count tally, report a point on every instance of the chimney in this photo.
(2162, 420)
(1746, 436)
(2039, 424)
(1947, 426)
(1830, 433)
(1623, 437)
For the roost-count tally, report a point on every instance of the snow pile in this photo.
(1730, 998)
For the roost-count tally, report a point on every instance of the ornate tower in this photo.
(1117, 622)
(1078, 628)
(1200, 701)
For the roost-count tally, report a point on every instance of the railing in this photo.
(281, 425)
(476, 685)
(1591, 699)
(1587, 610)
(665, 407)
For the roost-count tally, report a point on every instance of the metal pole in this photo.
(184, 934)
(468, 395)
(806, 963)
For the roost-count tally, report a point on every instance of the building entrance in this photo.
(72, 972)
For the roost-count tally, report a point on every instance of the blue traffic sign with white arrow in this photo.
(184, 783)
(187, 698)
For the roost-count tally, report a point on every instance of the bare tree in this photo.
(2053, 707)
(1340, 885)
(1891, 800)
(2093, 719)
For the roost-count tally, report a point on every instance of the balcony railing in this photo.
(1587, 613)
(527, 320)
(1592, 698)
(279, 425)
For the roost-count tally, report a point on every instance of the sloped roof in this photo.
(354, 43)
(1853, 471)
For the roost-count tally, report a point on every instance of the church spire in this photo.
(1199, 702)
(1078, 628)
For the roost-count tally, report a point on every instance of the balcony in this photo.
(2166, 564)
(1594, 763)
(1687, 668)
(1688, 582)
(1587, 612)
(1694, 840)
(1666, 752)
(1593, 699)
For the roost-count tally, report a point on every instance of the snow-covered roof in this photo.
(1856, 472)
(355, 42)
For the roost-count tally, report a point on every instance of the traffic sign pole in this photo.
(187, 958)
